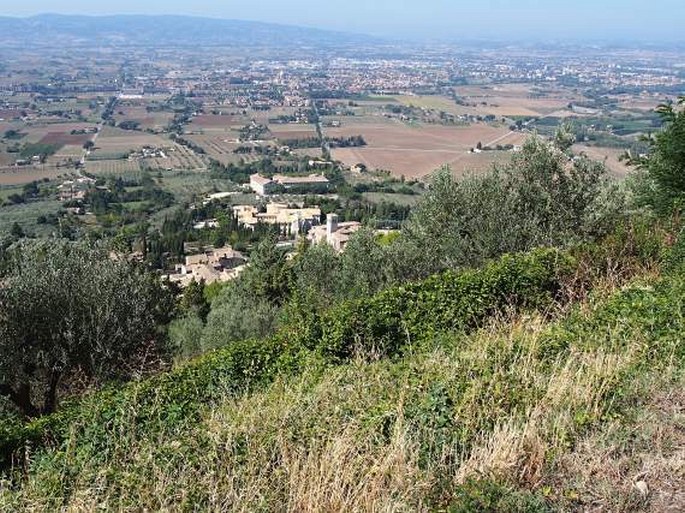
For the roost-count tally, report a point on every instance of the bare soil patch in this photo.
(64, 139)
(610, 157)
(416, 151)
(113, 140)
(146, 120)
(12, 175)
(216, 121)
(9, 114)
(292, 131)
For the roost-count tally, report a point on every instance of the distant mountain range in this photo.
(138, 30)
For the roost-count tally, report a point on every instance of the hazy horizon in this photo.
(628, 20)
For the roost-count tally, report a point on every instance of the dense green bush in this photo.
(247, 307)
(661, 183)
(185, 336)
(486, 496)
(385, 324)
(237, 315)
(538, 199)
(160, 404)
(400, 316)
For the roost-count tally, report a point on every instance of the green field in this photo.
(537, 412)
(400, 199)
(430, 102)
(188, 184)
(26, 215)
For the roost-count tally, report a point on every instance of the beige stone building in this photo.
(261, 185)
(264, 186)
(215, 265)
(334, 233)
(297, 220)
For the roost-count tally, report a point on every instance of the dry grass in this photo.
(610, 156)
(349, 441)
(607, 464)
(12, 175)
(115, 140)
(219, 123)
(293, 131)
(139, 113)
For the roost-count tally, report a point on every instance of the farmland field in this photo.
(434, 102)
(26, 215)
(112, 167)
(177, 157)
(186, 184)
(9, 114)
(114, 140)
(417, 151)
(643, 104)
(56, 133)
(69, 151)
(507, 100)
(6, 159)
(65, 139)
(263, 116)
(155, 121)
(11, 175)
(400, 199)
(220, 147)
(292, 131)
(212, 123)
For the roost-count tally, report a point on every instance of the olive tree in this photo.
(541, 197)
(662, 182)
(237, 314)
(316, 274)
(68, 309)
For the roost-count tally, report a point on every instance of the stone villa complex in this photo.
(264, 186)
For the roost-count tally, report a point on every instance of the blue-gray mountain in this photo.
(134, 30)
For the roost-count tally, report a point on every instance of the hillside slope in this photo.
(528, 413)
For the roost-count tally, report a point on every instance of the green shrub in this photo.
(160, 404)
(676, 257)
(487, 496)
(185, 334)
(383, 324)
(478, 382)
(237, 315)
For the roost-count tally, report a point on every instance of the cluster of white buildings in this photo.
(226, 264)
(215, 265)
(75, 189)
(295, 220)
(334, 233)
(264, 186)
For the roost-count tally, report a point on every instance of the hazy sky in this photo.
(657, 20)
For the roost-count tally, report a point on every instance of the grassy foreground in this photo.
(530, 413)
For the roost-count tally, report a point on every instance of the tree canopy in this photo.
(68, 309)
(664, 166)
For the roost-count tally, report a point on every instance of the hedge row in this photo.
(381, 325)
